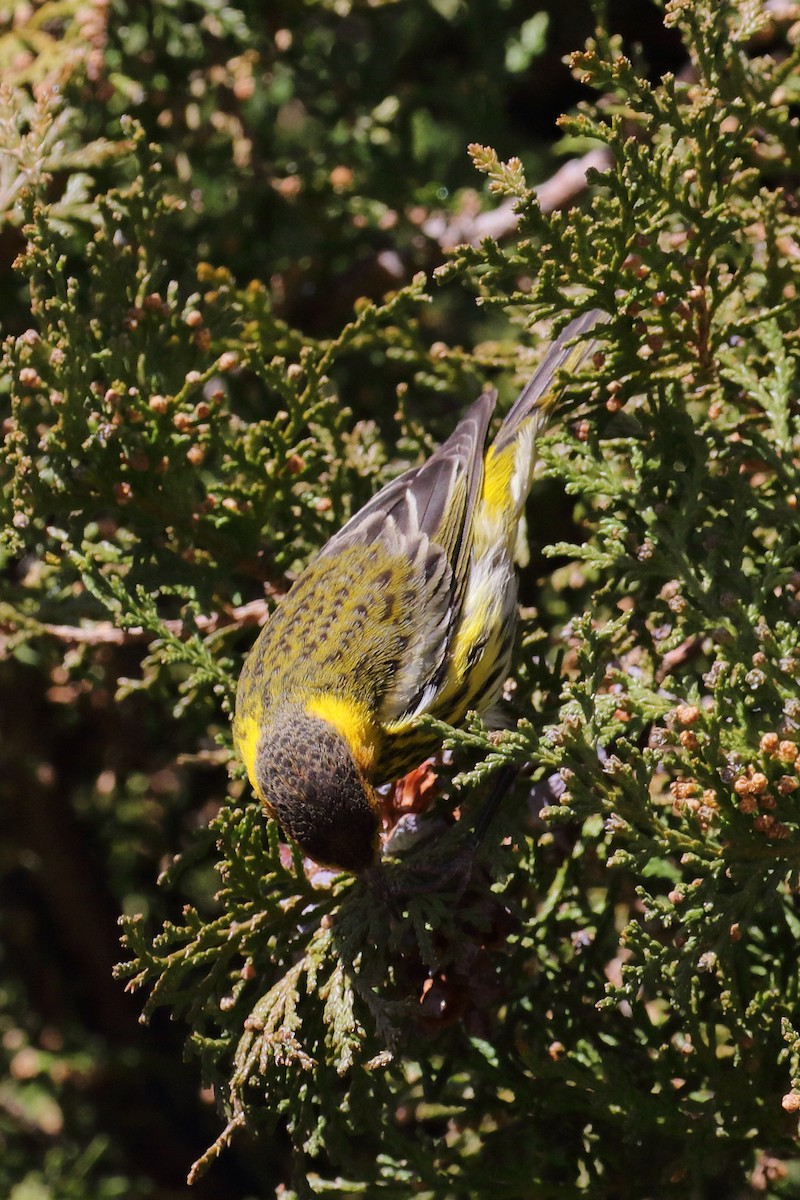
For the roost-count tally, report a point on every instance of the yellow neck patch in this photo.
(350, 719)
(247, 733)
(353, 722)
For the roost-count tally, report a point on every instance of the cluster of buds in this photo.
(671, 593)
(153, 304)
(689, 797)
(757, 793)
(755, 799)
(767, 1172)
(780, 750)
(687, 715)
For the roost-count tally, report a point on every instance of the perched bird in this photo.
(409, 609)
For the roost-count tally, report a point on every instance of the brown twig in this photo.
(677, 657)
(471, 226)
(105, 633)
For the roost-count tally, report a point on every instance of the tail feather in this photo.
(564, 355)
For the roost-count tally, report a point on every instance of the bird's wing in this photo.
(426, 499)
(426, 516)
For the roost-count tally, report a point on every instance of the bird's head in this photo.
(309, 781)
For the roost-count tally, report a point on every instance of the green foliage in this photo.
(603, 1000)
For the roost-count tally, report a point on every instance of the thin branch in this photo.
(471, 226)
(105, 633)
(204, 1161)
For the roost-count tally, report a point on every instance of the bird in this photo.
(409, 609)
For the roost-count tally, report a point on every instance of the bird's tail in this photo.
(540, 394)
(509, 461)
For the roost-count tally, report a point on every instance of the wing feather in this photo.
(426, 514)
(435, 498)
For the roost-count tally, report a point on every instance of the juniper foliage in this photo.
(605, 1002)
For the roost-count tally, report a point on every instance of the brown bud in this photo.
(29, 377)
(341, 179)
(787, 752)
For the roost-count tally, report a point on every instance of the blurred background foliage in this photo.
(218, 226)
